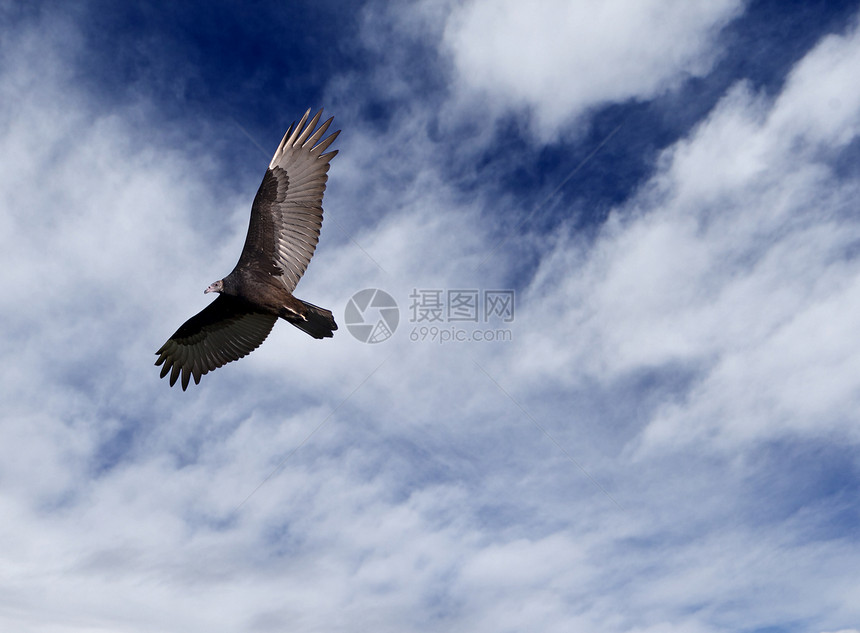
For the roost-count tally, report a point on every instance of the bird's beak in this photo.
(211, 288)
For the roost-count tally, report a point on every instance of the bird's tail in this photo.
(318, 322)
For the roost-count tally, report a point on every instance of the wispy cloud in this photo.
(561, 59)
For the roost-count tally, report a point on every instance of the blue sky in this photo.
(662, 439)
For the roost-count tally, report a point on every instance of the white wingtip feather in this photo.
(302, 135)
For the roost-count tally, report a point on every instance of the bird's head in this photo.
(215, 286)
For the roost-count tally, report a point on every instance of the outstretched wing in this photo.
(287, 212)
(224, 331)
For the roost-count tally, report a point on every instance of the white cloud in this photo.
(562, 58)
(735, 262)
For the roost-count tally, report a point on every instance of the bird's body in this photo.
(283, 232)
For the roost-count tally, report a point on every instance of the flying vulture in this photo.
(285, 226)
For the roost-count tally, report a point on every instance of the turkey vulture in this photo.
(284, 230)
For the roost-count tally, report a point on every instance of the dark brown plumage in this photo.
(284, 230)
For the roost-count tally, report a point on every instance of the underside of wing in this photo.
(224, 331)
(287, 212)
